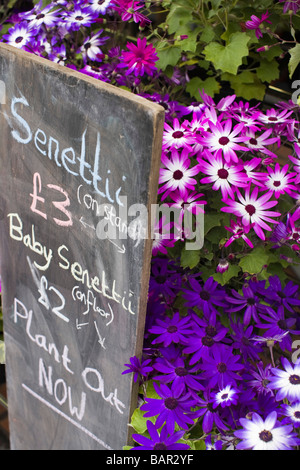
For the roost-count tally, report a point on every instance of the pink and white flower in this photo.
(177, 173)
(253, 209)
(280, 181)
(223, 175)
(223, 139)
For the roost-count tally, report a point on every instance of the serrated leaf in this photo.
(253, 262)
(196, 85)
(189, 258)
(223, 278)
(268, 71)
(228, 58)
(294, 60)
(168, 55)
(246, 85)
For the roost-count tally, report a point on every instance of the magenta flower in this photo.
(140, 59)
(223, 139)
(177, 136)
(238, 230)
(177, 173)
(253, 209)
(224, 176)
(256, 24)
(279, 181)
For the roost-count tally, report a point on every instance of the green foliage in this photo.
(209, 40)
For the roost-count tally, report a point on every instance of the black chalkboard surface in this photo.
(79, 166)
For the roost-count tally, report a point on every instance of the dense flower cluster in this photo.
(219, 366)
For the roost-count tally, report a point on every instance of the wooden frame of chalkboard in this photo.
(79, 172)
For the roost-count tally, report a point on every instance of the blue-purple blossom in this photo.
(139, 368)
(159, 440)
(173, 407)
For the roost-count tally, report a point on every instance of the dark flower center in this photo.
(40, 16)
(223, 140)
(181, 371)
(272, 118)
(297, 414)
(282, 324)
(87, 46)
(160, 279)
(100, 2)
(276, 184)
(207, 341)
(204, 295)
(294, 379)
(172, 329)
(211, 330)
(160, 446)
(79, 18)
(250, 209)
(251, 301)
(253, 141)
(245, 341)
(19, 39)
(224, 396)
(177, 134)
(295, 236)
(171, 403)
(265, 436)
(222, 173)
(177, 175)
(221, 367)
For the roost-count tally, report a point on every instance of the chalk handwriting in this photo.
(65, 158)
(60, 205)
(90, 300)
(29, 240)
(21, 312)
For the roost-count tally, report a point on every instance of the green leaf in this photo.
(246, 85)
(189, 258)
(223, 278)
(268, 71)
(167, 54)
(228, 58)
(209, 85)
(138, 422)
(253, 262)
(179, 20)
(294, 60)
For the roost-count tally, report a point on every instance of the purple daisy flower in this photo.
(160, 441)
(220, 366)
(177, 373)
(139, 368)
(172, 407)
(210, 415)
(172, 330)
(248, 301)
(205, 297)
(277, 324)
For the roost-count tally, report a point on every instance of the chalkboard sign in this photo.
(79, 170)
